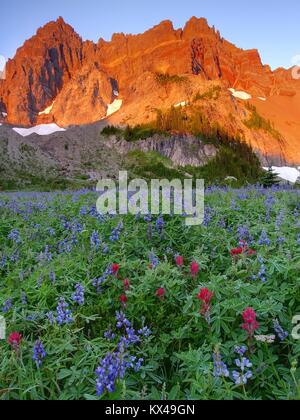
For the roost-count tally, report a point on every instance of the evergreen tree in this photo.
(269, 178)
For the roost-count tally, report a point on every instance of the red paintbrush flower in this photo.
(14, 340)
(179, 261)
(115, 269)
(236, 251)
(194, 269)
(205, 296)
(250, 323)
(123, 299)
(126, 284)
(251, 252)
(160, 293)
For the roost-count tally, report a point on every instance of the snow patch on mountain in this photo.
(114, 107)
(184, 103)
(240, 94)
(287, 173)
(48, 110)
(41, 130)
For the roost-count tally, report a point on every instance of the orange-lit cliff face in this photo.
(77, 81)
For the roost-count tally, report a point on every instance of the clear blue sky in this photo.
(270, 26)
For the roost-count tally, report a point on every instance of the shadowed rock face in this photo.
(181, 150)
(80, 79)
(41, 67)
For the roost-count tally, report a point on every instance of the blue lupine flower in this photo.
(98, 282)
(114, 365)
(220, 368)
(244, 234)
(131, 338)
(241, 350)
(15, 236)
(78, 296)
(3, 261)
(52, 277)
(7, 305)
(95, 240)
(109, 335)
(145, 332)
(40, 281)
(208, 215)
(154, 261)
(46, 255)
(279, 220)
(51, 231)
(23, 298)
(281, 334)
(83, 211)
(264, 239)
(262, 271)
(269, 203)
(76, 227)
(50, 317)
(135, 363)
(111, 368)
(243, 363)
(234, 206)
(15, 256)
(38, 353)
(281, 240)
(242, 377)
(115, 235)
(160, 224)
(64, 315)
(122, 321)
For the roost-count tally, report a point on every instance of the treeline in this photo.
(235, 157)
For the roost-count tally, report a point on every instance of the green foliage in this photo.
(178, 361)
(140, 132)
(212, 94)
(27, 182)
(269, 178)
(152, 165)
(235, 158)
(132, 134)
(165, 79)
(257, 122)
(234, 161)
(111, 130)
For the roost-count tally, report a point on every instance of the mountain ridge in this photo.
(79, 80)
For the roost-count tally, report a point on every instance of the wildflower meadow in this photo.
(146, 308)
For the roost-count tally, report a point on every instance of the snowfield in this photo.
(114, 107)
(41, 130)
(286, 173)
(48, 110)
(240, 94)
(180, 104)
